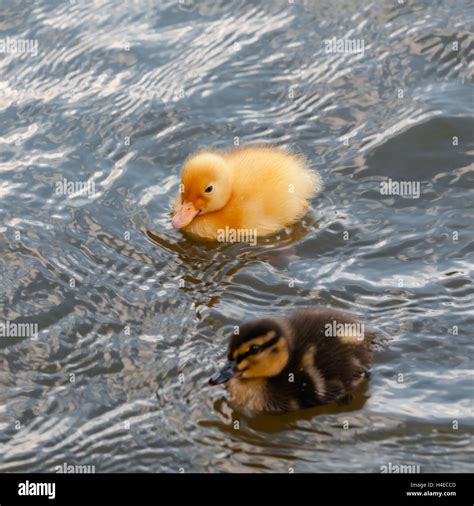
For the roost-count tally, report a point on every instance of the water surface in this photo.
(130, 328)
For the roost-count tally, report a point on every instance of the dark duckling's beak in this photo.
(227, 373)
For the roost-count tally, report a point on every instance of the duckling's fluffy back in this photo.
(274, 184)
(341, 352)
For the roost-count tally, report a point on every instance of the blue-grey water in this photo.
(117, 95)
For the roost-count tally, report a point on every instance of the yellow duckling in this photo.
(256, 189)
(310, 358)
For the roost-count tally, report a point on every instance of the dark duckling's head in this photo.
(259, 350)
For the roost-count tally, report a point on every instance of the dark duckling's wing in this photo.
(335, 365)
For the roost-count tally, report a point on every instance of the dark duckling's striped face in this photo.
(260, 350)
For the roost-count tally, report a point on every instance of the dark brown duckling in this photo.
(313, 357)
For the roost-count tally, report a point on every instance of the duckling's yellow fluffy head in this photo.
(206, 186)
(260, 350)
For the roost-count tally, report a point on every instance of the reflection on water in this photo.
(133, 316)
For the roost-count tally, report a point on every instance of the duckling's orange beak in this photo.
(185, 215)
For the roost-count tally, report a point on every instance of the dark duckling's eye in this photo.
(209, 189)
(255, 348)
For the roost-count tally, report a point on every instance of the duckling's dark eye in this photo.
(255, 348)
(209, 189)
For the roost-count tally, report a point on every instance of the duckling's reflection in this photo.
(274, 423)
(209, 266)
(228, 415)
